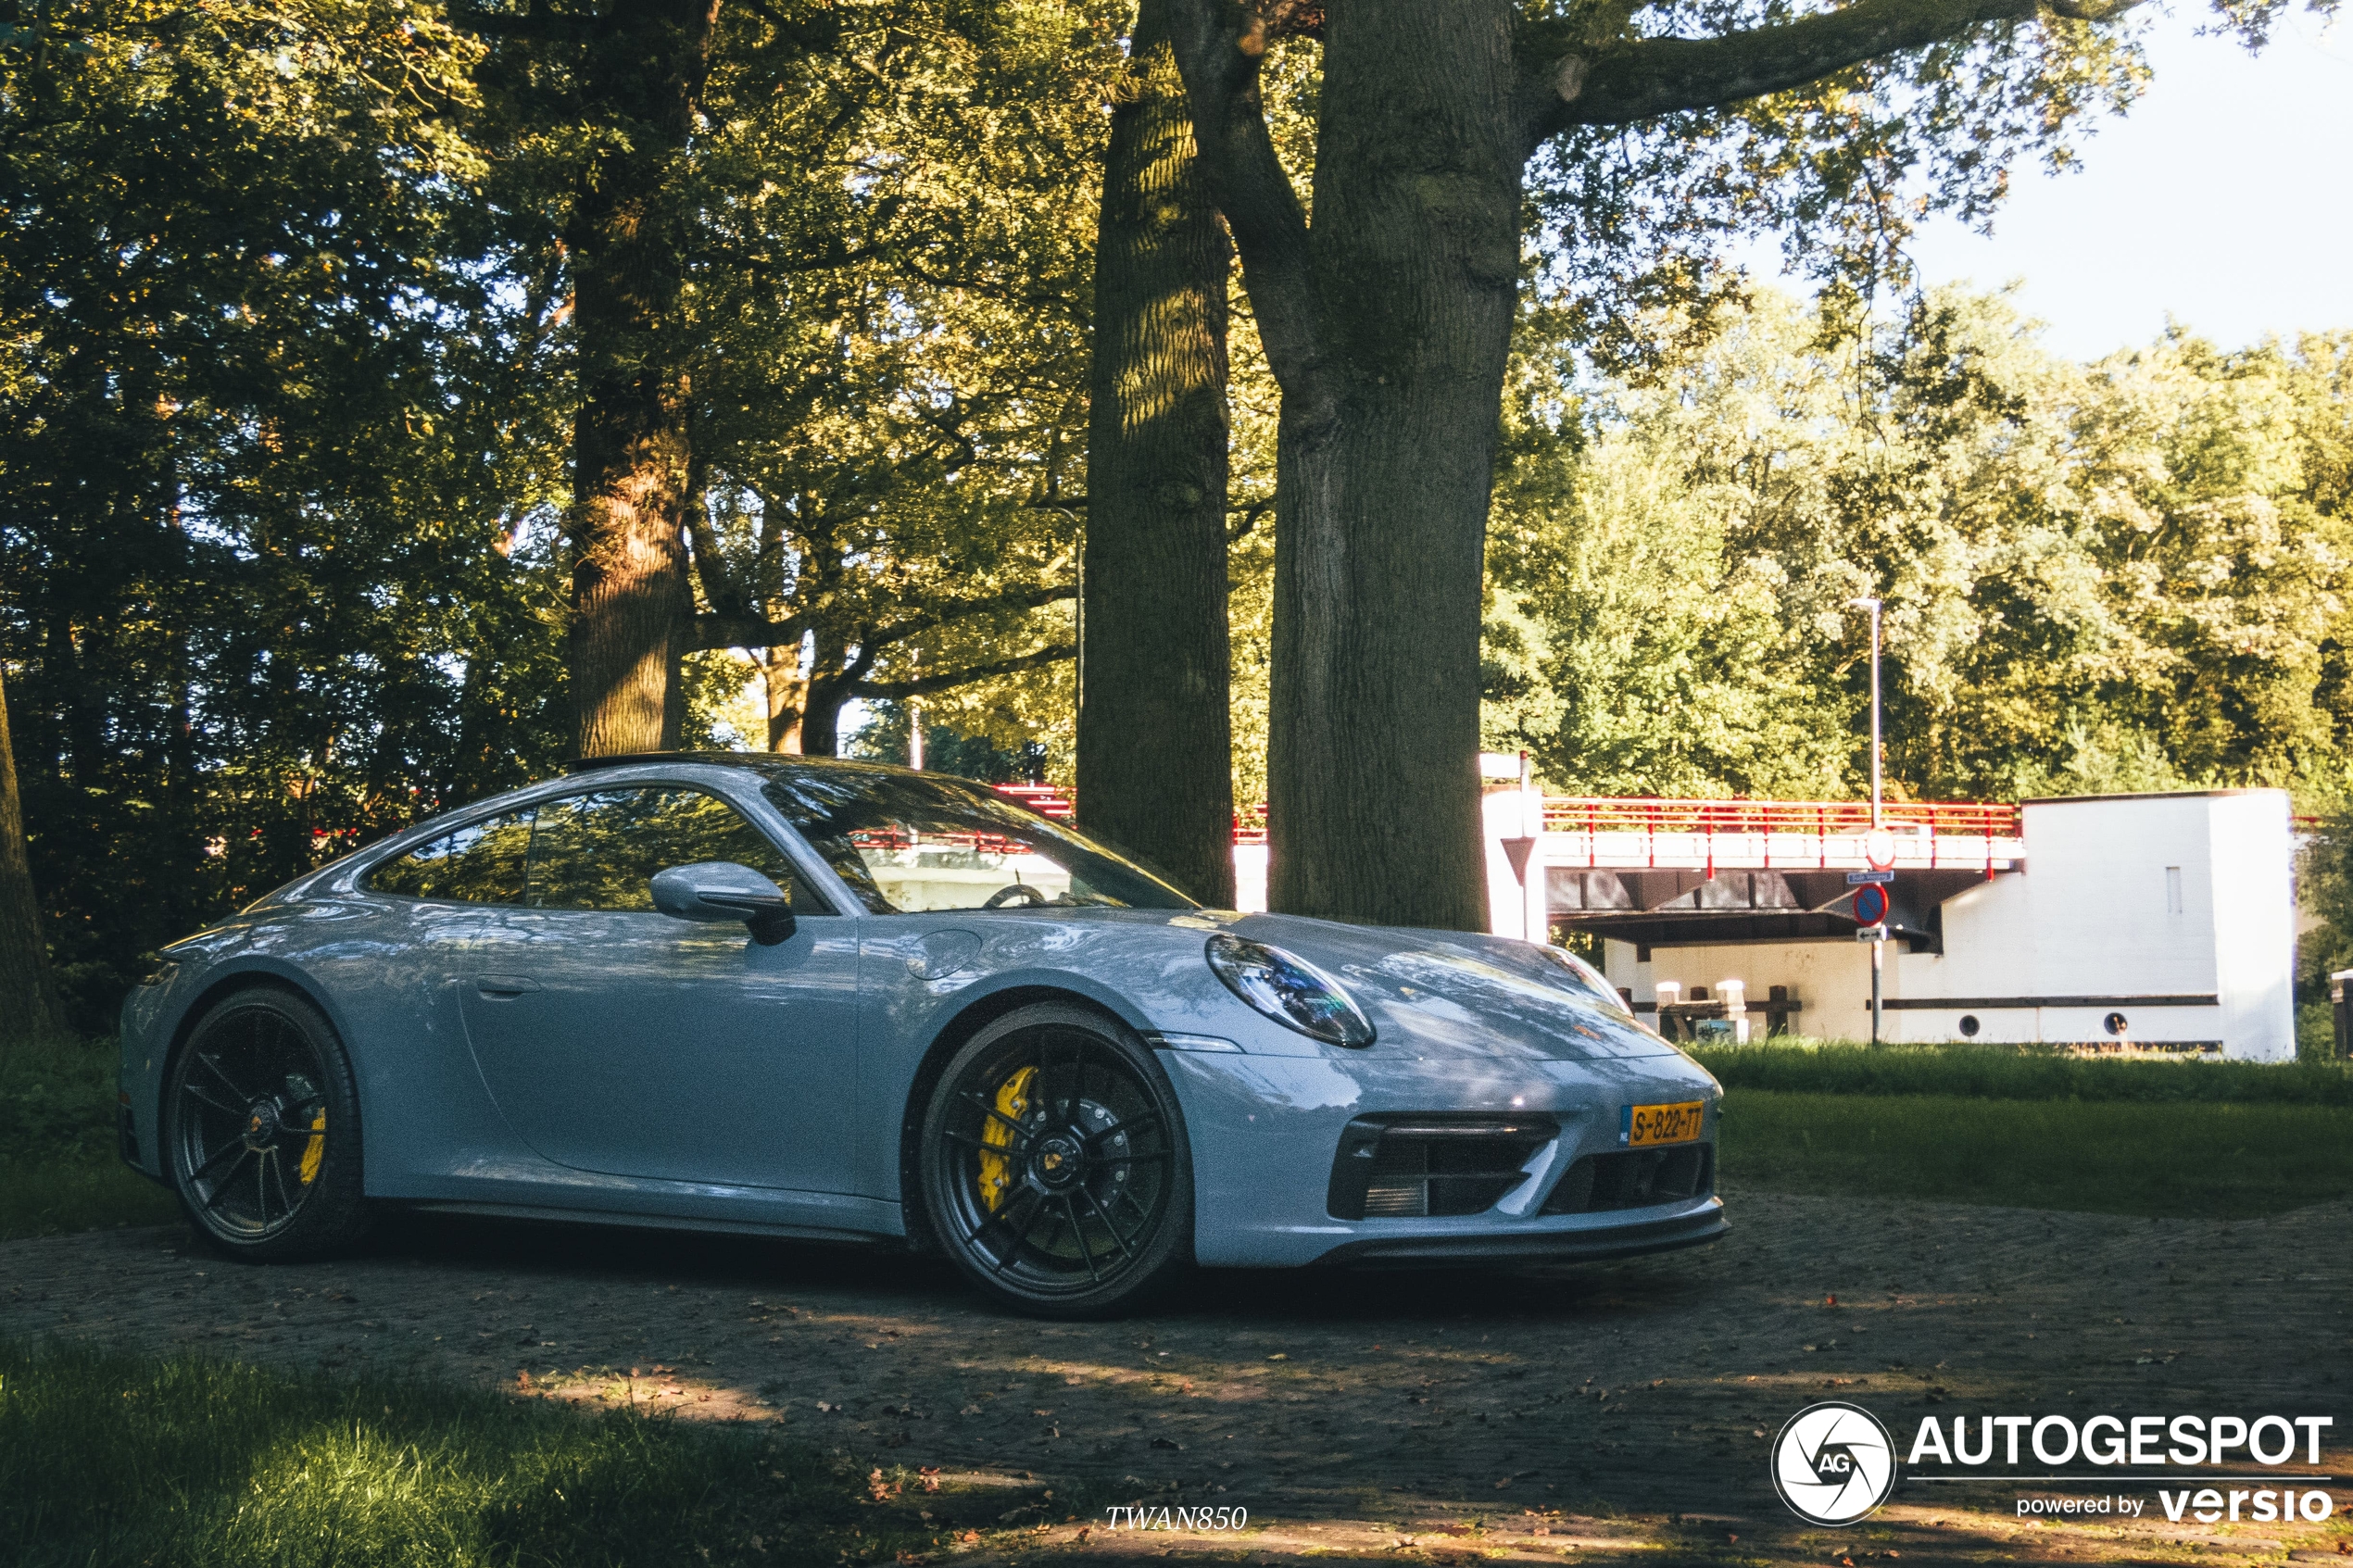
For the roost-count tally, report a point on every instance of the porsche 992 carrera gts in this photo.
(796, 997)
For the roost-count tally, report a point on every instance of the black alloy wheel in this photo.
(262, 1129)
(1055, 1165)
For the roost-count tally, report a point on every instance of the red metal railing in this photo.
(1818, 819)
(1591, 814)
(1046, 800)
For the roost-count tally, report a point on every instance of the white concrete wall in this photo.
(2254, 913)
(2122, 896)
(1250, 877)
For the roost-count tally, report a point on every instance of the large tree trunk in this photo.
(828, 691)
(29, 1003)
(1384, 475)
(821, 720)
(1155, 736)
(630, 600)
(781, 682)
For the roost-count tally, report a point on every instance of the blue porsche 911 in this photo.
(824, 999)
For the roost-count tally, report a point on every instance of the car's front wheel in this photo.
(1054, 1165)
(262, 1129)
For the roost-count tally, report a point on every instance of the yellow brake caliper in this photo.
(315, 1148)
(1013, 1103)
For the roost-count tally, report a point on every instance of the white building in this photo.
(2152, 919)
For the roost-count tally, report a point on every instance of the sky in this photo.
(2224, 196)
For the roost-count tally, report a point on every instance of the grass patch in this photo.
(1838, 1067)
(2222, 1161)
(188, 1463)
(58, 1168)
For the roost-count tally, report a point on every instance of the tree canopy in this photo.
(402, 396)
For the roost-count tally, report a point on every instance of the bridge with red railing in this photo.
(1628, 832)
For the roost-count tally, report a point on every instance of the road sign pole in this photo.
(1878, 949)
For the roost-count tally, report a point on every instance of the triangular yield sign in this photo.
(1517, 851)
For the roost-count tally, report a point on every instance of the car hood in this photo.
(1446, 993)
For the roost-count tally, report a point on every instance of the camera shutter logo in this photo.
(1833, 1463)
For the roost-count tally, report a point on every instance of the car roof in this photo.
(757, 761)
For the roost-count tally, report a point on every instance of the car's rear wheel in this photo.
(262, 1129)
(1054, 1165)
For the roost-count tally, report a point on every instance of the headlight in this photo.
(1292, 991)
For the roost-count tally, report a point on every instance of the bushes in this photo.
(58, 1168)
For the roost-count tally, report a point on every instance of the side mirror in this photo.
(722, 890)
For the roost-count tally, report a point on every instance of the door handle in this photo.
(504, 987)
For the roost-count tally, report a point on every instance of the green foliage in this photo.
(270, 574)
(2324, 889)
(2018, 1072)
(2229, 1160)
(59, 1170)
(889, 320)
(1630, 219)
(2127, 575)
(946, 751)
(291, 379)
(2316, 1032)
(186, 1463)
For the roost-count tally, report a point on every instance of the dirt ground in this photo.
(1601, 1413)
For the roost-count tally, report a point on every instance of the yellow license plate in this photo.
(1649, 1124)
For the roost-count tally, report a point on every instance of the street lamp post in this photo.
(1878, 943)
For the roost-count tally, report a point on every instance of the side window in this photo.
(600, 852)
(481, 863)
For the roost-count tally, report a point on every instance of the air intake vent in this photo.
(1634, 1178)
(1415, 1166)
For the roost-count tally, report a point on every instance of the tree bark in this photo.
(1381, 506)
(29, 1005)
(1388, 326)
(1155, 727)
(632, 605)
(826, 692)
(781, 683)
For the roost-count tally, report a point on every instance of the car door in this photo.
(620, 1040)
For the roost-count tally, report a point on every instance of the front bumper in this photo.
(1265, 1131)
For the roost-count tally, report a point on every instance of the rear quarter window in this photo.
(479, 863)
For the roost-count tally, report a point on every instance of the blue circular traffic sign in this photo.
(1870, 904)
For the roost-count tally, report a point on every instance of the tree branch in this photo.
(1614, 84)
(1218, 47)
(1013, 598)
(745, 632)
(540, 25)
(924, 686)
(751, 632)
(822, 39)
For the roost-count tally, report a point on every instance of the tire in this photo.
(1055, 1167)
(261, 1130)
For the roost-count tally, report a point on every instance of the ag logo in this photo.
(1833, 1463)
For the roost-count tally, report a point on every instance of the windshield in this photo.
(908, 841)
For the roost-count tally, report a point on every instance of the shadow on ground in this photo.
(1609, 1413)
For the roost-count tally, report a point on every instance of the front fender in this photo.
(156, 1019)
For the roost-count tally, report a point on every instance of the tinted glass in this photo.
(906, 842)
(600, 852)
(481, 863)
